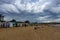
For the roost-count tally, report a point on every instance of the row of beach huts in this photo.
(4, 24)
(12, 23)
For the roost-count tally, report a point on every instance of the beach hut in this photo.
(19, 24)
(5, 24)
(1, 20)
(0, 24)
(1, 17)
(26, 23)
(13, 23)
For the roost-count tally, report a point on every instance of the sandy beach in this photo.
(29, 33)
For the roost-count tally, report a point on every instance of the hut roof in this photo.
(2, 21)
(13, 20)
(19, 22)
(27, 21)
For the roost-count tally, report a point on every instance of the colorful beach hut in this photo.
(13, 23)
(6, 24)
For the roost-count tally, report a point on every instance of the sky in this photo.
(32, 10)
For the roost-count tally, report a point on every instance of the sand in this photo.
(29, 33)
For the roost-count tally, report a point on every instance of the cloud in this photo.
(8, 8)
(31, 6)
(43, 18)
(7, 18)
(34, 7)
(48, 19)
(55, 9)
(35, 10)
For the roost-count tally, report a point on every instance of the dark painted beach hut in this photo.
(1, 17)
(1, 20)
(26, 23)
(2, 24)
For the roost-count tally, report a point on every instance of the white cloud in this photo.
(30, 6)
(35, 7)
(57, 20)
(55, 9)
(43, 18)
(27, 5)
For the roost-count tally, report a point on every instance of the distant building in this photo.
(1, 17)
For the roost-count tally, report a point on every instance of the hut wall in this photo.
(19, 24)
(0, 24)
(14, 24)
(11, 24)
(5, 24)
(26, 24)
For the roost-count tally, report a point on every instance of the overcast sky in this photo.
(32, 10)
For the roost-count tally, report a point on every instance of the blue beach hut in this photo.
(13, 23)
